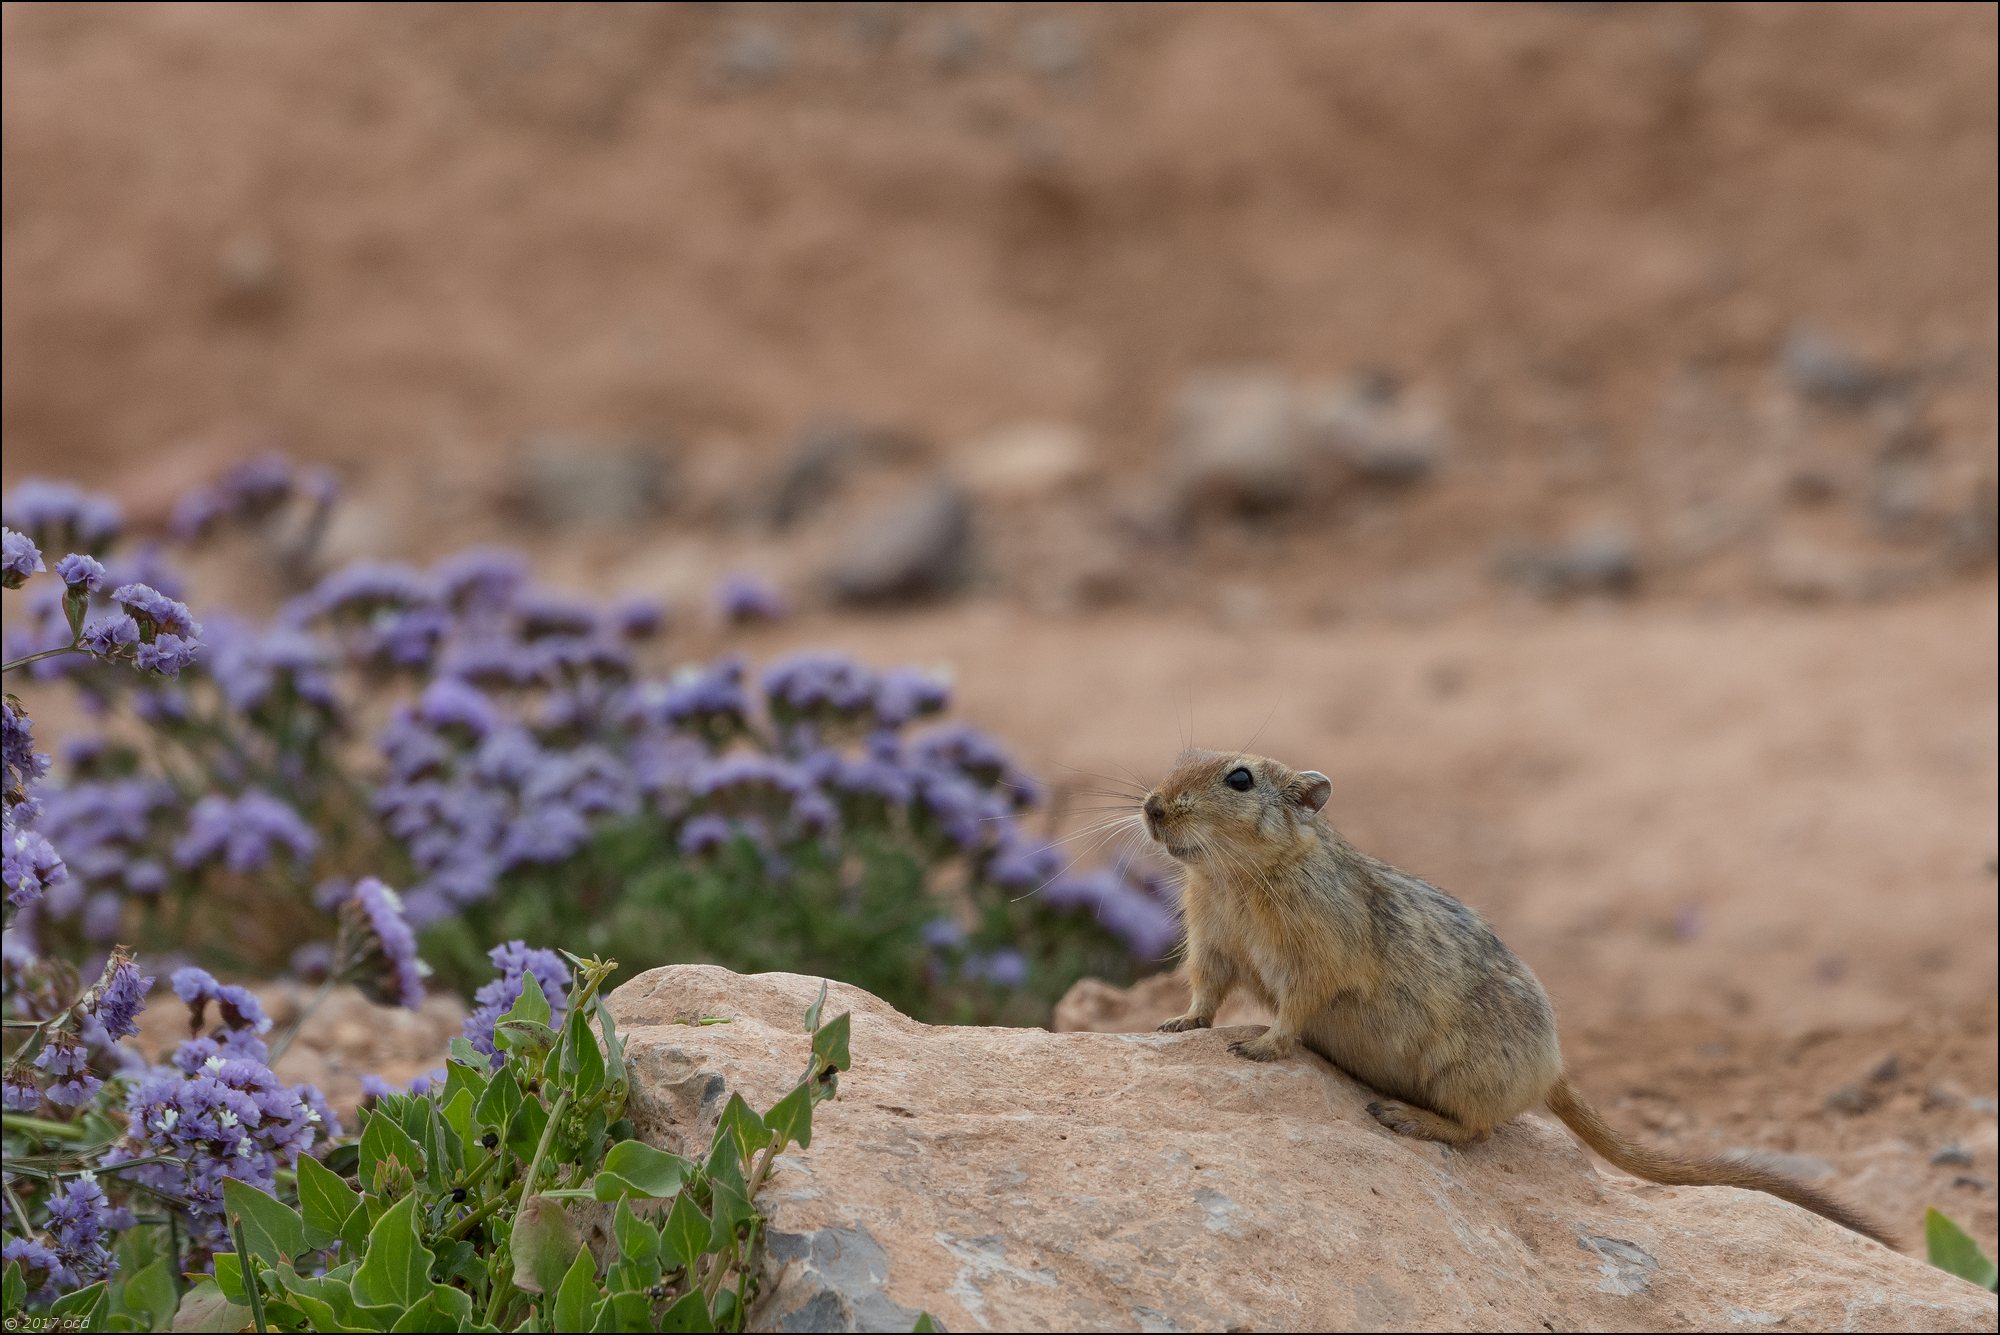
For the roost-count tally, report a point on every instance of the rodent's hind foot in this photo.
(1182, 1023)
(1268, 1046)
(1421, 1123)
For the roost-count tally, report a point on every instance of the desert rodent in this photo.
(1381, 973)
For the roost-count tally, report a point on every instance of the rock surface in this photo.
(1017, 1179)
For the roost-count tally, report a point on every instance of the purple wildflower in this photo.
(156, 613)
(58, 514)
(638, 618)
(82, 572)
(242, 832)
(110, 635)
(19, 558)
(379, 950)
(168, 654)
(29, 864)
(541, 613)
(1021, 864)
(515, 960)
(21, 766)
(367, 587)
(66, 1061)
(449, 704)
(742, 597)
(237, 1007)
(119, 996)
(705, 834)
(1003, 968)
(18, 1090)
(47, 1277)
(815, 685)
(905, 694)
(79, 1220)
(942, 934)
(481, 579)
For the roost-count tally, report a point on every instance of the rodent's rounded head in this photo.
(1228, 805)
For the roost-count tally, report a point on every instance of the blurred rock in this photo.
(1809, 572)
(563, 481)
(753, 56)
(1053, 49)
(953, 43)
(1024, 461)
(1851, 1099)
(1237, 447)
(1952, 1156)
(1899, 499)
(1598, 560)
(917, 546)
(1380, 433)
(249, 276)
(1822, 370)
(1972, 535)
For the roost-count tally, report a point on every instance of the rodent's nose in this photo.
(1156, 810)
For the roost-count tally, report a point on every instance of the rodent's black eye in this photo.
(1240, 779)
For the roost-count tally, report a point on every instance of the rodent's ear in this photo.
(1311, 790)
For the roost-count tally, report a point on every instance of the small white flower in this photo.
(226, 1117)
(312, 1116)
(86, 1176)
(167, 1118)
(212, 1065)
(244, 1147)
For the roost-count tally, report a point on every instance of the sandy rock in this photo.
(1604, 559)
(1017, 1179)
(913, 547)
(1379, 433)
(1237, 444)
(1821, 369)
(1024, 461)
(565, 482)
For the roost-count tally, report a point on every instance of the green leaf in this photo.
(328, 1205)
(229, 1276)
(729, 1204)
(436, 1145)
(1952, 1249)
(526, 1133)
(791, 1118)
(396, 1269)
(812, 1011)
(926, 1323)
(382, 1140)
(13, 1289)
(524, 1038)
(745, 1125)
(638, 1241)
(272, 1230)
(830, 1045)
(477, 1064)
(204, 1307)
(614, 1046)
(498, 1104)
(576, 1299)
(148, 1294)
(443, 1308)
(582, 1062)
(544, 1245)
(689, 1312)
(724, 1164)
(531, 1005)
(334, 1293)
(625, 1311)
(81, 1309)
(634, 1168)
(457, 1112)
(685, 1234)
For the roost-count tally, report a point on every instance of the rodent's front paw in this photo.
(1182, 1023)
(1266, 1047)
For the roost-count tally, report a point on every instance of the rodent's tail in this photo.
(1675, 1171)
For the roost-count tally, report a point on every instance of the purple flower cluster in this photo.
(1139, 915)
(19, 558)
(58, 514)
(112, 831)
(242, 832)
(79, 1221)
(245, 493)
(740, 598)
(378, 949)
(515, 960)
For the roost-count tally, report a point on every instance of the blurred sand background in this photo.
(1570, 427)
